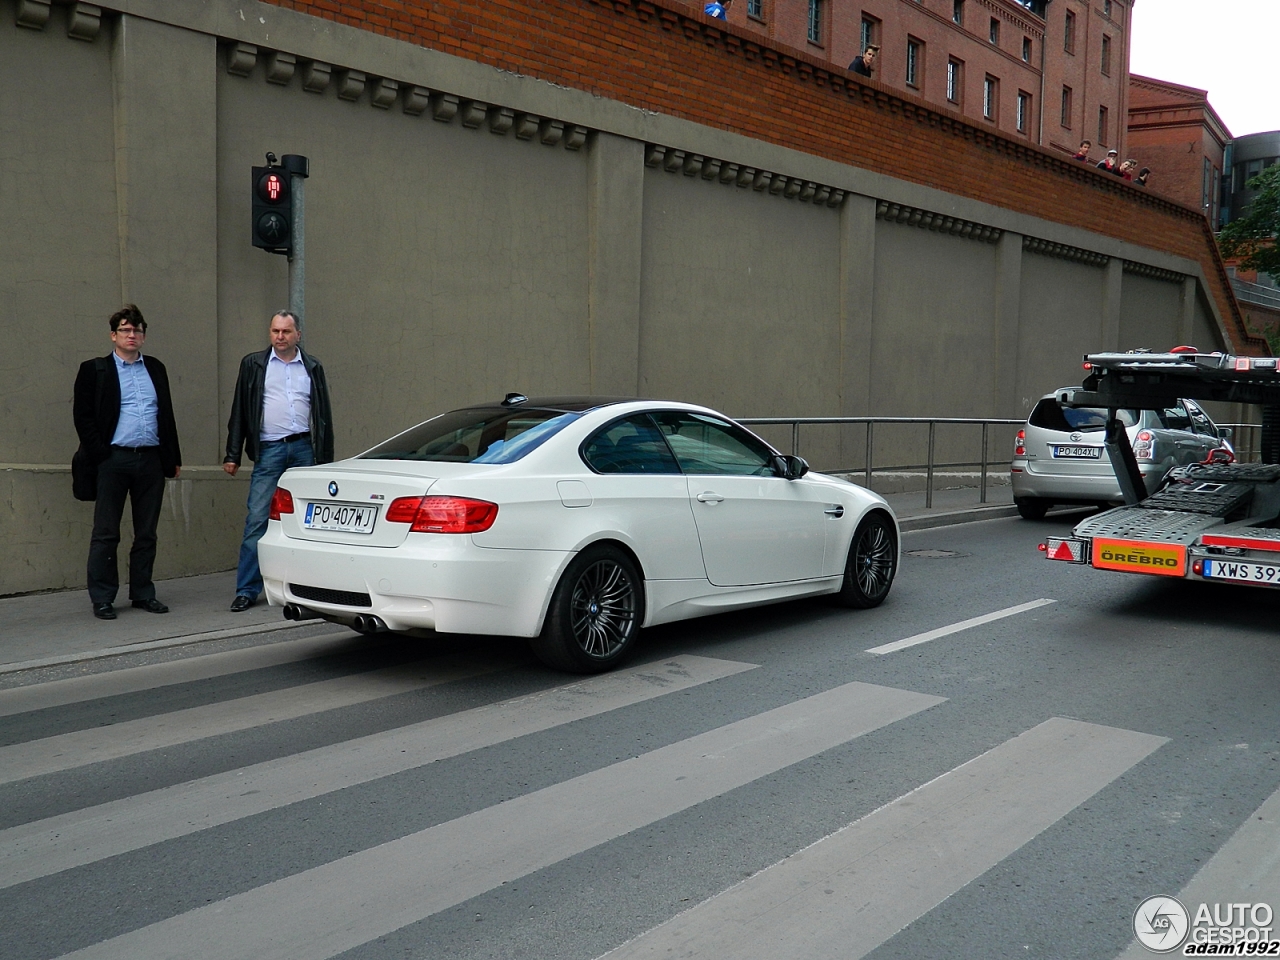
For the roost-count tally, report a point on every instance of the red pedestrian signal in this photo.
(272, 210)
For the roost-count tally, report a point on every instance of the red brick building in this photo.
(1174, 131)
(1054, 73)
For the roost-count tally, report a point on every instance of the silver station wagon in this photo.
(1059, 457)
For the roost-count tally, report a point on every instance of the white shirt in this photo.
(286, 398)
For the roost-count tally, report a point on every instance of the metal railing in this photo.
(871, 422)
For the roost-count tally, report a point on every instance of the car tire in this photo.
(871, 563)
(1031, 508)
(595, 613)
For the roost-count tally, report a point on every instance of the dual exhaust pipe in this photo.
(368, 624)
(365, 623)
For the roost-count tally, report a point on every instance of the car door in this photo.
(754, 526)
(1185, 445)
(1205, 429)
(640, 490)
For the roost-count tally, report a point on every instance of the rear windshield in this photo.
(477, 435)
(1050, 415)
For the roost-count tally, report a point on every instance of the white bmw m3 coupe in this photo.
(574, 522)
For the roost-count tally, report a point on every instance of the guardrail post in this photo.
(928, 486)
(871, 436)
(983, 496)
(795, 439)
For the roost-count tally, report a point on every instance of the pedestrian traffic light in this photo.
(272, 212)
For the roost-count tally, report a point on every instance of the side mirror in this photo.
(1224, 433)
(790, 468)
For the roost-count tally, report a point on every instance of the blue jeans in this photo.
(274, 458)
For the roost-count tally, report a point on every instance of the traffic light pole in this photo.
(299, 168)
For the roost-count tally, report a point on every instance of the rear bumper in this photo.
(1096, 488)
(432, 581)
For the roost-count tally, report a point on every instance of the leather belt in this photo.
(116, 446)
(291, 438)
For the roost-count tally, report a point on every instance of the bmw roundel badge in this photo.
(333, 488)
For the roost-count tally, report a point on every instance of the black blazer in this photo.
(244, 428)
(97, 410)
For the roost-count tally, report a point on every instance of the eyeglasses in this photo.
(131, 331)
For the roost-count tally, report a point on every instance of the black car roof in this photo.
(563, 404)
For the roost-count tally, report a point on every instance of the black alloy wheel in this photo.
(872, 563)
(595, 613)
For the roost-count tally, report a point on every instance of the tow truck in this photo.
(1216, 521)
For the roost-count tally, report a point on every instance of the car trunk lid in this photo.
(334, 504)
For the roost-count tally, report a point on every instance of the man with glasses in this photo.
(281, 417)
(128, 445)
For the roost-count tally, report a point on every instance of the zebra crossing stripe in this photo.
(322, 912)
(1246, 869)
(67, 751)
(969, 624)
(848, 893)
(59, 693)
(46, 847)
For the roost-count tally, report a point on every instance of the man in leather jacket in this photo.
(281, 417)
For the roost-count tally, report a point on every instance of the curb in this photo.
(975, 515)
(972, 515)
(145, 645)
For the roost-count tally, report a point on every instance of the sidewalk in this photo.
(52, 629)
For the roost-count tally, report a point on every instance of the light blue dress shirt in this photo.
(138, 425)
(286, 398)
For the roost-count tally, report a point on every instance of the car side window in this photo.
(1200, 421)
(707, 445)
(633, 445)
(1175, 417)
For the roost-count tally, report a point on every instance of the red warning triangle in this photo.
(1063, 552)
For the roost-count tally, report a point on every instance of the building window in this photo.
(1106, 9)
(1106, 55)
(815, 21)
(955, 82)
(755, 8)
(1024, 111)
(990, 93)
(914, 55)
(957, 12)
(1069, 34)
(1026, 49)
(1066, 107)
(1206, 186)
(1103, 127)
(870, 32)
(994, 33)
(1216, 194)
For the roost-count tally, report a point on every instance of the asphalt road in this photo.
(753, 785)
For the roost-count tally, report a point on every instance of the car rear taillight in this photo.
(1020, 444)
(1144, 445)
(281, 502)
(442, 514)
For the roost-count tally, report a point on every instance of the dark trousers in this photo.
(139, 475)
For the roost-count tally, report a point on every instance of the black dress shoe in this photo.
(151, 606)
(104, 611)
(241, 603)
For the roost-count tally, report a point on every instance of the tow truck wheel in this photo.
(1031, 508)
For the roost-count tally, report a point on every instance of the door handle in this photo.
(709, 497)
(834, 510)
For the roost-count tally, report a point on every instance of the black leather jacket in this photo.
(244, 429)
